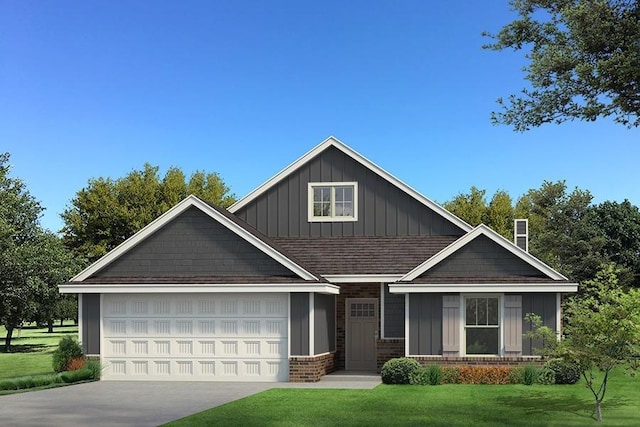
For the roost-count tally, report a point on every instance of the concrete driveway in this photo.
(141, 403)
(119, 403)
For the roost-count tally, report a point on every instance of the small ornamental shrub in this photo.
(566, 372)
(450, 375)
(68, 349)
(95, 368)
(546, 376)
(76, 376)
(484, 374)
(516, 375)
(76, 363)
(529, 375)
(399, 370)
(428, 375)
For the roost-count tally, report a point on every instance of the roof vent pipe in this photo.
(521, 234)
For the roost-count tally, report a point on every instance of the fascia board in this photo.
(362, 278)
(495, 237)
(484, 287)
(173, 213)
(164, 288)
(332, 141)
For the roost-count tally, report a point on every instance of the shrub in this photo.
(75, 376)
(516, 376)
(565, 372)
(484, 374)
(546, 376)
(68, 349)
(95, 368)
(529, 375)
(450, 375)
(399, 370)
(429, 375)
(76, 363)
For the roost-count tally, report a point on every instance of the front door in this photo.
(362, 331)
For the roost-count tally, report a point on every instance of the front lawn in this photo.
(443, 405)
(31, 351)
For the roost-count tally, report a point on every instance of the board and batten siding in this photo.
(393, 314)
(544, 305)
(425, 324)
(90, 339)
(383, 209)
(512, 324)
(299, 339)
(324, 323)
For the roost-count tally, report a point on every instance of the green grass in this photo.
(443, 405)
(31, 351)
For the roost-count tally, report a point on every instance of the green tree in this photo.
(107, 211)
(499, 215)
(470, 207)
(620, 225)
(583, 61)
(603, 331)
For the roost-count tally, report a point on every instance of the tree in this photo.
(470, 207)
(603, 331)
(32, 261)
(584, 62)
(107, 211)
(620, 224)
(500, 214)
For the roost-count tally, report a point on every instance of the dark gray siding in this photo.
(425, 324)
(90, 339)
(324, 323)
(482, 257)
(544, 305)
(393, 314)
(193, 244)
(299, 340)
(383, 209)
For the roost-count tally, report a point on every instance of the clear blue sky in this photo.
(243, 88)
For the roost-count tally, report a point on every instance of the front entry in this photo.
(362, 332)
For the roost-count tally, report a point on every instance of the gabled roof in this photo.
(334, 142)
(482, 230)
(229, 221)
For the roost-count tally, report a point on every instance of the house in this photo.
(331, 264)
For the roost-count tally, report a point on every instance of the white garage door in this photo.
(195, 337)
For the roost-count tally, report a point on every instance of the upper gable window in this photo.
(333, 201)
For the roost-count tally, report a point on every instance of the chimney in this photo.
(521, 234)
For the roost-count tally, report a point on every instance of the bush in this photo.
(399, 370)
(29, 382)
(76, 363)
(450, 375)
(529, 375)
(95, 368)
(76, 376)
(546, 376)
(68, 349)
(429, 375)
(516, 376)
(565, 372)
(484, 374)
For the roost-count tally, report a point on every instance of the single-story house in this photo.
(332, 264)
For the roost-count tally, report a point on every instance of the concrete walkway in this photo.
(129, 403)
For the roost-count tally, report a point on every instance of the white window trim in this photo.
(312, 218)
(463, 326)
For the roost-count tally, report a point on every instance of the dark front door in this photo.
(362, 331)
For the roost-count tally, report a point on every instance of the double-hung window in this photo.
(335, 201)
(482, 325)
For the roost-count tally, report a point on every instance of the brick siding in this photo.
(389, 349)
(309, 369)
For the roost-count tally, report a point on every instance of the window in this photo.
(333, 201)
(482, 325)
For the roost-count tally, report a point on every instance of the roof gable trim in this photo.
(174, 212)
(495, 237)
(332, 141)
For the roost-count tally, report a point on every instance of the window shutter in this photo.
(451, 324)
(513, 323)
(521, 234)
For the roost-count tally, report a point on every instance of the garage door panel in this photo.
(224, 338)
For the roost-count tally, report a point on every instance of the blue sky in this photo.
(243, 88)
